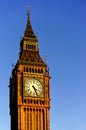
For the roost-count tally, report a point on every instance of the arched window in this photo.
(30, 46)
(35, 70)
(24, 69)
(34, 47)
(38, 70)
(27, 69)
(30, 69)
(26, 46)
(41, 70)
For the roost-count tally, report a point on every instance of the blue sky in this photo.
(61, 29)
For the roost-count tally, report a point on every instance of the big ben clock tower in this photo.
(29, 86)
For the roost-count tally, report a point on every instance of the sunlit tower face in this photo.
(29, 86)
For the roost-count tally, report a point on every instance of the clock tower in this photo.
(29, 86)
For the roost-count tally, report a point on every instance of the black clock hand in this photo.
(35, 89)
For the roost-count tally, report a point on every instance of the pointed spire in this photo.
(29, 31)
(28, 13)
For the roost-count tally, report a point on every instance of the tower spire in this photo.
(29, 31)
(28, 13)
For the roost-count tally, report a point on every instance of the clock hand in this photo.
(35, 89)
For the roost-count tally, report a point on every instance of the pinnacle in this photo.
(29, 31)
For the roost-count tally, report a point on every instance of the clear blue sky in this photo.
(61, 28)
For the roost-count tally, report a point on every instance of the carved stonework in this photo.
(32, 57)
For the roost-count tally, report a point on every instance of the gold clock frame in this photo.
(41, 80)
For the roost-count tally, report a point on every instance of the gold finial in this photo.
(28, 12)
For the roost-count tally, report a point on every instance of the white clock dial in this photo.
(33, 87)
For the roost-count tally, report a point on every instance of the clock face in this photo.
(33, 87)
